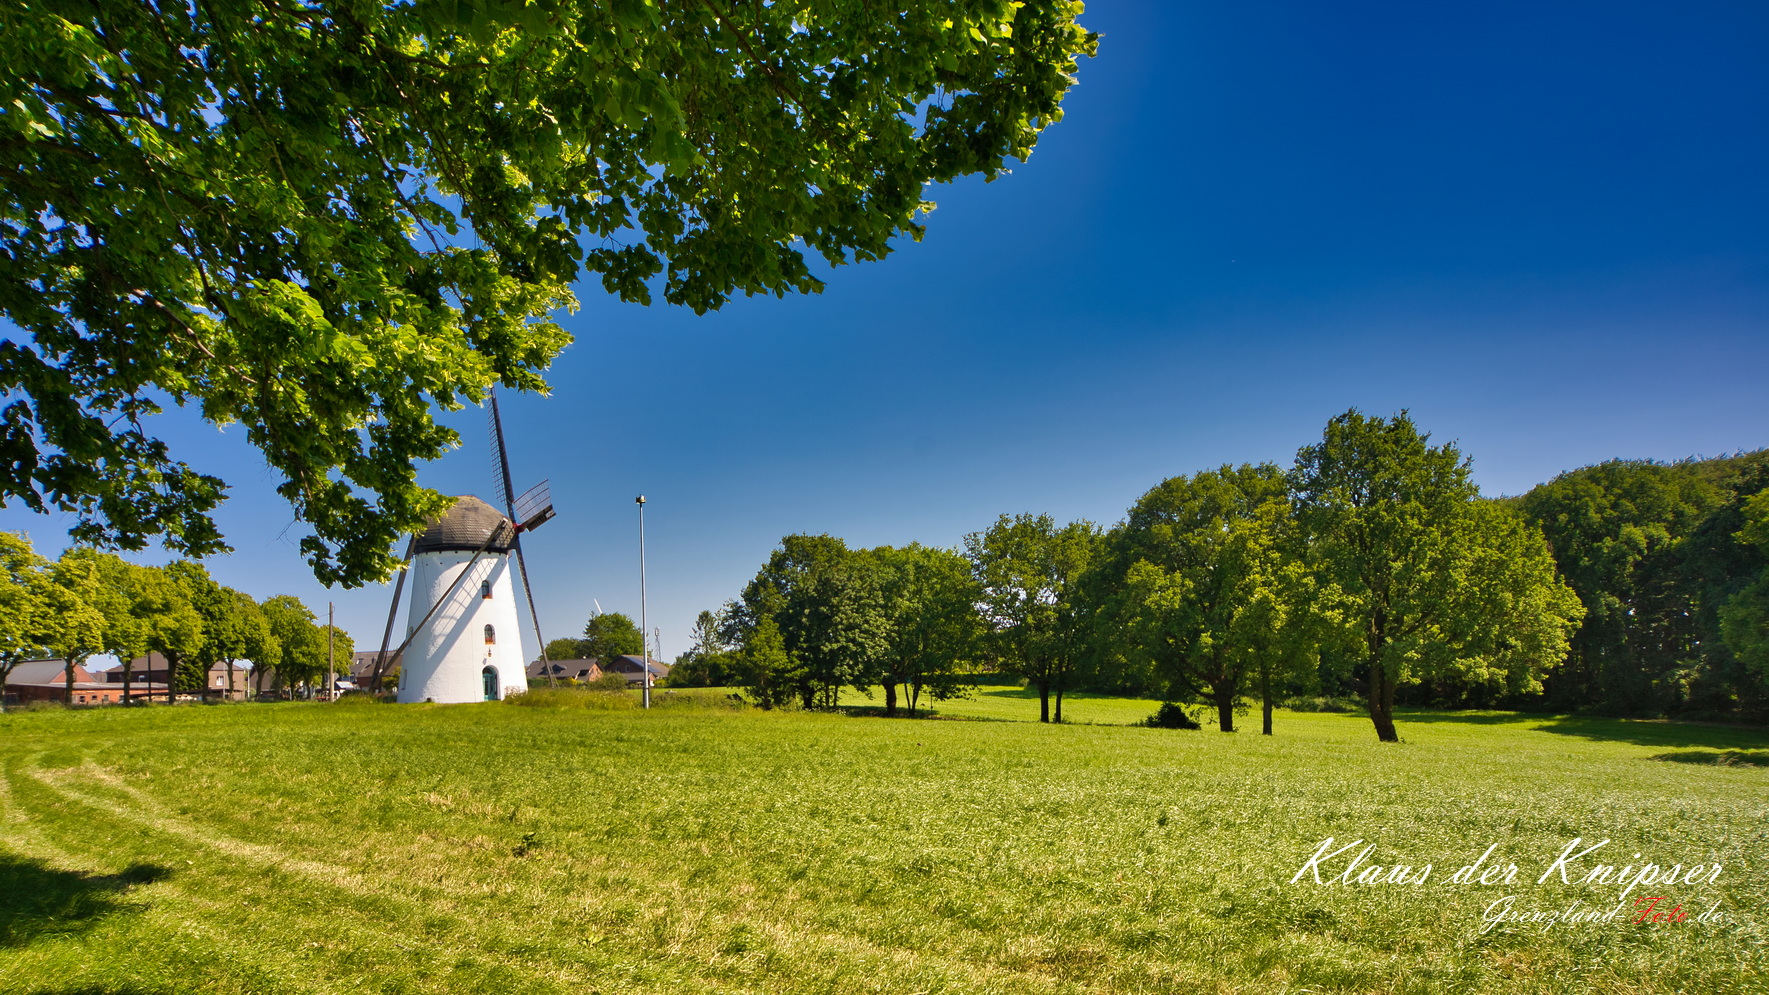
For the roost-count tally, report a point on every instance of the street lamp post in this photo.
(644, 647)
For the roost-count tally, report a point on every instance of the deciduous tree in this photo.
(929, 601)
(609, 636)
(828, 604)
(1027, 570)
(768, 668)
(1744, 620)
(237, 630)
(77, 600)
(1429, 578)
(565, 648)
(710, 661)
(1218, 600)
(322, 219)
(1202, 548)
(24, 617)
(301, 646)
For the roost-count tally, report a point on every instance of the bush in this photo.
(1171, 715)
(608, 682)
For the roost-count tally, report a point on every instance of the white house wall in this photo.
(445, 661)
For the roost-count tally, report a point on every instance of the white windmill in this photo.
(462, 632)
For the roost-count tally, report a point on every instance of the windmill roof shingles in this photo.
(465, 527)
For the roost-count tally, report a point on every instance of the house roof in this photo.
(465, 527)
(53, 673)
(362, 662)
(42, 672)
(630, 664)
(578, 669)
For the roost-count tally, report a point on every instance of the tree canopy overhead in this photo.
(322, 220)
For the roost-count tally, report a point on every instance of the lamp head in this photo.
(639, 500)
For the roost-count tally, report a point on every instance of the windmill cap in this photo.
(464, 527)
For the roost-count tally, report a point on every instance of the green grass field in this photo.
(494, 848)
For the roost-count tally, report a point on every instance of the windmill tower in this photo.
(463, 643)
(462, 633)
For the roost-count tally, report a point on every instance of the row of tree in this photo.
(88, 603)
(1371, 566)
(1671, 562)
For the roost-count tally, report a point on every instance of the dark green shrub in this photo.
(1171, 715)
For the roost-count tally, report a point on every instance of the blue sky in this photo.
(1543, 228)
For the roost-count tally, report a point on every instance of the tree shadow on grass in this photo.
(1031, 694)
(1718, 758)
(38, 900)
(1656, 732)
(1402, 715)
(1641, 732)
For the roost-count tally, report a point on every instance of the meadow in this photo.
(359, 847)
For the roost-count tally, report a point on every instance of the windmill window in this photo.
(491, 635)
(485, 589)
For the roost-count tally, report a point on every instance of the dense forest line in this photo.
(1372, 567)
(1671, 562)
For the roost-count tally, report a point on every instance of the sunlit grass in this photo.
(361, 847)
(1017, 704)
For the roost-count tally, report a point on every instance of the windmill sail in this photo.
(534, 508)
(540, 509)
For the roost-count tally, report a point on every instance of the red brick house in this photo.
(46, 680)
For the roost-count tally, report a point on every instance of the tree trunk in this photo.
(890, 699)
(1225, 712)
(128, 685)
(1381, 693)
(1382, 702)
(69, 671)
(1058, 717)
(230, 680)
(1265, 695)
(1044, 701)
(914, 696)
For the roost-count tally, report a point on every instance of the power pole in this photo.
(331, 665)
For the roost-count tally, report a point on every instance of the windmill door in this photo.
(490, 676)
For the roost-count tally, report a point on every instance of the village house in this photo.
(46, 680)
(633, 669)
(362, 669)
(582, 671)
(152, 670)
